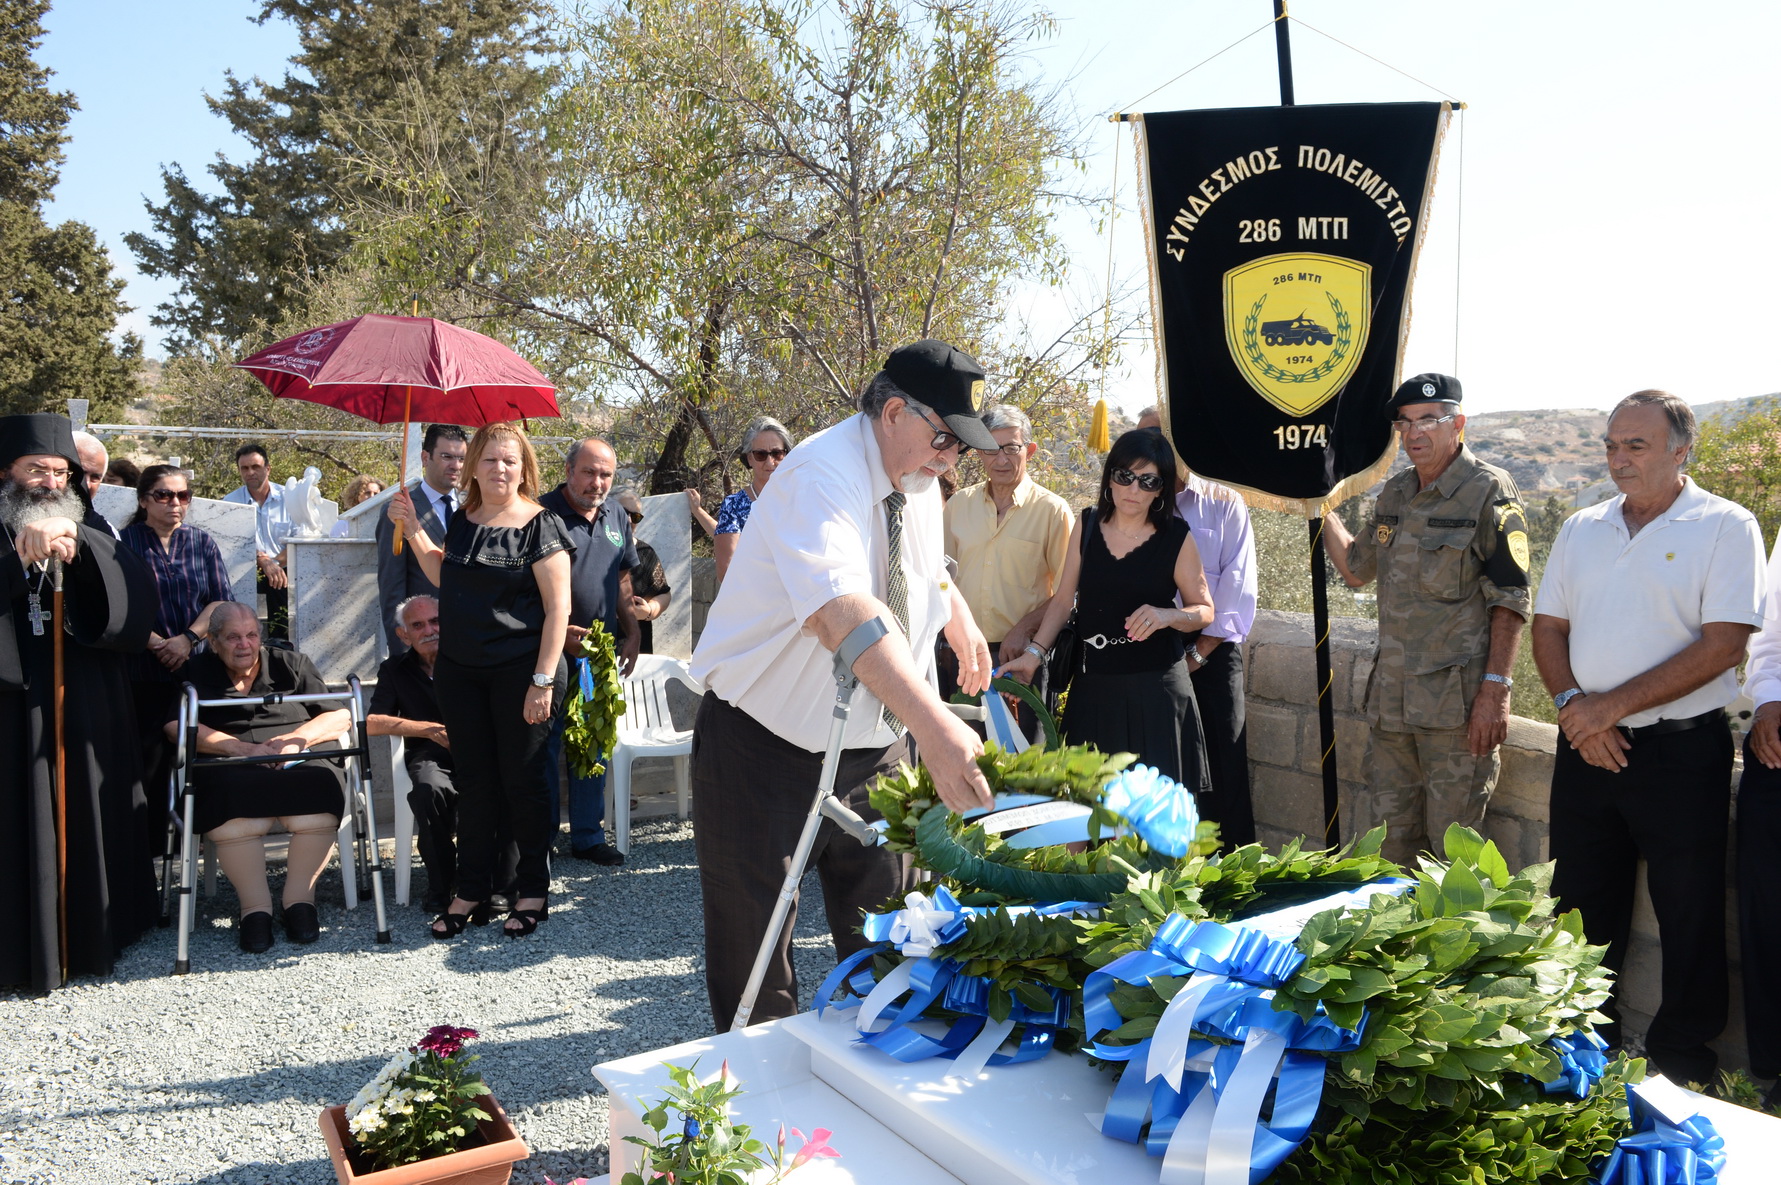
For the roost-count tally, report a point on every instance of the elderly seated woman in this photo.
(237, 805)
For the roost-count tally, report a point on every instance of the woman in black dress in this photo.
(237, 805)
(503, 576)
(1131, 557)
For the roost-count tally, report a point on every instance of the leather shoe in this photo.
(302, 923)
(600, 853)
(255, 933)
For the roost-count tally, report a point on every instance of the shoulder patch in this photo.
(1509, 563)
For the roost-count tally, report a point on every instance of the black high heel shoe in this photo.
(528, 920)
(455, 923)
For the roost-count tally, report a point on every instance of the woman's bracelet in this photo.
(1037, 651)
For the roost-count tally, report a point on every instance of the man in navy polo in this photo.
(599, 590)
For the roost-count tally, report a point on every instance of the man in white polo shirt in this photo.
(1759, 845)
(1642, 618)
(848, 530)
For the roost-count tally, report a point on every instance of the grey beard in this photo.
(20, 505)
(919, 482)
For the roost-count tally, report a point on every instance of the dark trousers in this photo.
(1669, 805)
(1759, 910)
(1218, 688)
(499, 772)
(434, 801)
(752, 791)
(278, 607)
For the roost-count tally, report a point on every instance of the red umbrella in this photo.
(391, 369)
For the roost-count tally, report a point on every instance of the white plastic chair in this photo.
(400, 785)
(647, 730)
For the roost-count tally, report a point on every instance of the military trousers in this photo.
(1418, 784)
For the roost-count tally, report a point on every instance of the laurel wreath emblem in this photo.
(1344, 339)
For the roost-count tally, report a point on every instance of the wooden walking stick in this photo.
(61, 791)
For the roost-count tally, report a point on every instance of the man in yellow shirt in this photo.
(1008, 537)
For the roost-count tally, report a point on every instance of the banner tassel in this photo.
(1098, 438)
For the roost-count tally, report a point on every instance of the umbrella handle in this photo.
(396, 547)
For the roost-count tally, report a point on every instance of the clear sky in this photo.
(1612, 226)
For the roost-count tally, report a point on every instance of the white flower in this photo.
(425, 1096)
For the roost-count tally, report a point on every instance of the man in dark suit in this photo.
(436, 499)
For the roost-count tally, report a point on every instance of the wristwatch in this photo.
(1493, 677)
(189, 636)
(1566, 696)
(1195, 657)
(542, 680)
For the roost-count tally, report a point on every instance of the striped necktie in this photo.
(896, 584)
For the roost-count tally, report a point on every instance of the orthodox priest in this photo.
(104, 894)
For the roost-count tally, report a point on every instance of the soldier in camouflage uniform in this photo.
(1448, 545)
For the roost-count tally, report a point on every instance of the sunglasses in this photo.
(635, 517)
(943, 440)
(1150, 483)
(763, 455)
(166, 495)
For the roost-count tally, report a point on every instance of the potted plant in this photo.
(426, 1117)
(707, 1147)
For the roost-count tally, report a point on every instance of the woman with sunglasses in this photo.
(190, 580)
(1131, 556)
(764, 446)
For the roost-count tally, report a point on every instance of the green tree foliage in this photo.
(247, 252)
(58, 300)
(747, 205)
(1740, 459)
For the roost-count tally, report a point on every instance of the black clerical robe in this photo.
(109, 606)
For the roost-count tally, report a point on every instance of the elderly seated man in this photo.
(237, 805)
(404, 705)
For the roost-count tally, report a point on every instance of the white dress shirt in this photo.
(818, 532)
(1636, 601)
(1762, 676)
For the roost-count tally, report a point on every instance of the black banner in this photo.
(1283, 242)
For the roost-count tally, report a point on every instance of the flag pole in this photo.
(1320, 593)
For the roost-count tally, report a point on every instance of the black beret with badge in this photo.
(946, 379)
(1425, 388)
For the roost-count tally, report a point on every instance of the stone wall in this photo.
(1284, 756)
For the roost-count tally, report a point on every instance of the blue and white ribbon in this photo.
(1160, 809)
(1204, 1098)
(1665, 1148)
(922, 981)
(585, 671)
(1002, 729)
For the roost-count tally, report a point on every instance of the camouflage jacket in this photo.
(1444, 557)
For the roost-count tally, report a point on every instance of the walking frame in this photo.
(823, 805)
(181, 802)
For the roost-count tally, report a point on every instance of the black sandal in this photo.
(528, 921)
(455, 923)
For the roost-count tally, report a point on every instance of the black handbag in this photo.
(1068, 654)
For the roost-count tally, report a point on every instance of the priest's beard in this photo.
(22, 505)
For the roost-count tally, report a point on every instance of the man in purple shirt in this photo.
(1220, 524)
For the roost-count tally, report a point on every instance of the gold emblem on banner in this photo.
(1297, 325)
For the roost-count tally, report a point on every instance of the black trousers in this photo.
(499, 772)
(1219, 690)
(752, 791)
(278, 607)
(1669, 805)
(434, 801)
(1759, 911)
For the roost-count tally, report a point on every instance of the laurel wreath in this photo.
(1344, 339)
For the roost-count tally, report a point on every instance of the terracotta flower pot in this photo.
(489, 1163)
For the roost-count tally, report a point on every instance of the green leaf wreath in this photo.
(590, 725)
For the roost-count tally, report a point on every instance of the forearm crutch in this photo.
(857, 642)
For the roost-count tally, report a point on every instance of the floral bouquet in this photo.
(421, 1104)
(708, 1148)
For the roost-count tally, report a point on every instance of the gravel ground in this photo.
(218, 1076)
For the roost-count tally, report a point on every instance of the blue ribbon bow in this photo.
(1583, 1059)
(1660, 1152)
(1160, 809)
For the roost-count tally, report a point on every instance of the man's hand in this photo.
(172, 652)
(1605, 750)
(289, 742)
(1013, 646)
(273, 571)
(47, 537)
(1587, 715)
(572, 643)
(1488, 723)
(629, 646)
(951, 757)
(968, 643)
(437, 734)
(1765, 734)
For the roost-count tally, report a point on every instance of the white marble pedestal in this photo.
(897, 1124)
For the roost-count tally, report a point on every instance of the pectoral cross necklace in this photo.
(36, 613)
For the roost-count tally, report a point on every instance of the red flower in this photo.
(445, 1040)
